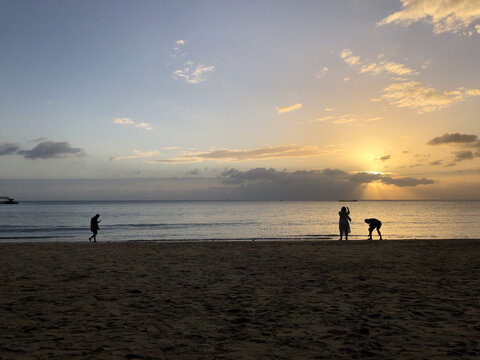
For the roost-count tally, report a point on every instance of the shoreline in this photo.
(409, 299)
(12, 241)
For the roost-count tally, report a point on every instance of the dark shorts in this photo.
(376, 226)
(94, 231)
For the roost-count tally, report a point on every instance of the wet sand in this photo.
(245, 300)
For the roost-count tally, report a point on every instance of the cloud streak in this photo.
(445, 16)
(322, 72)
(271, 152)
(288, 108)
(343, 119)
(136, 154)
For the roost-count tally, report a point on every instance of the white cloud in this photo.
(346, 78)
(413, 94)
(445, 15)
(178, 46)
(329, 109)
(477, 27)
(376, 68)
(373, 68)
(128, 121)
(472, 92)
(352, 60)
(124, 121)
(144, 125)
(193, 73)
(288, 108)
(395, 68)
(136, 154)
(345, 53)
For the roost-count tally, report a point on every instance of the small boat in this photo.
(7, 200)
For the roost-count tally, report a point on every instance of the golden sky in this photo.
(272, 100)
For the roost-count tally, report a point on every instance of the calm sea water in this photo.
(235, 220)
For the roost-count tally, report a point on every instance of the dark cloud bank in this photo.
(44, 150)
(9, 149)
(469, 142)
(233, 184)
(453, 139)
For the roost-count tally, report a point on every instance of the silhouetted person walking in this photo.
(94, 227)
(344, 222)
(374, 224)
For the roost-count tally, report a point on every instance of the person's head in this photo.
(97, 216)
(344, 209)
(367, 221)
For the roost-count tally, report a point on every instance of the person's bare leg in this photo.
(341, 236)
(379, 234)
(369, 234)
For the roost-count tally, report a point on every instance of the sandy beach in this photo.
(241, 300)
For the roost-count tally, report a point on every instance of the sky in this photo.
(240, 100)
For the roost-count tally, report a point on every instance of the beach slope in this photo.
(241, 300)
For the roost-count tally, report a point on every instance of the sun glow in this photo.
(366, 156)
(377, 191)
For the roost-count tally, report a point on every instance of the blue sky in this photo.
(180, 92)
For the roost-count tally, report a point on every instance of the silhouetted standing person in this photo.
(344, 222)
(374, 224)
(94, 227)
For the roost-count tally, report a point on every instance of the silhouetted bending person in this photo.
(344, 222)
(374, 224)
(94, 227)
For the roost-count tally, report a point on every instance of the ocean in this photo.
(235, 220)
